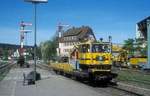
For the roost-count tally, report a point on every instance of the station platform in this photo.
(50, 85)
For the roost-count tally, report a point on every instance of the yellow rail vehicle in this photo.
(137, 62)
(95, 61)
(89, 61)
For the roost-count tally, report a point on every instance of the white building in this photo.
(72, 37)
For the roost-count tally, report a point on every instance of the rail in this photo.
(43, 66)
(131, 92)
(5, 67)
(122, 88)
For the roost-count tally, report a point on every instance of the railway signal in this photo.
(22, 32)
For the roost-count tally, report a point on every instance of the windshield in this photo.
(85, 48)
(100, 48)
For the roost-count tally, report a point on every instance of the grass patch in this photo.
(2, 76)
(134, 77)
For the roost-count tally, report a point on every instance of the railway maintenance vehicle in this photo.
(89, 61)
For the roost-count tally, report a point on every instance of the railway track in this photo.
(139, 81)
(4, 68)
(110, 89)
(43, 66)
(125, 92)
(113, 89)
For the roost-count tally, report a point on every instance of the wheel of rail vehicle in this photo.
(61, 72)
(55, 71)
(78, 78)
(91, 80)
(67, 75)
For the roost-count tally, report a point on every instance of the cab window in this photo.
(100, 48)
(85, 48)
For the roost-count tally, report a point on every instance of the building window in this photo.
(67, 38)
(70, 38)
(75, 37)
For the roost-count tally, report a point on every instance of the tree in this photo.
(129, 46)
(136, 47)
(38, 51)
(5, 54)
(141, 47)
(144, 51)
(48, 49)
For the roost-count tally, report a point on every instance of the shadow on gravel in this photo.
(102, 84)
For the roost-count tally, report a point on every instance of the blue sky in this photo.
(106, 17)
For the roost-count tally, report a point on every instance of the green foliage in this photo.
(48, 49)
(38, 52)
(144, 51)
(5, 54)
(139, 48)
(129, 46)
(134, 77)
(135, 47)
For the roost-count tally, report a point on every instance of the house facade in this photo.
(72, 37)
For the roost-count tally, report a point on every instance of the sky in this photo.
(116, 18)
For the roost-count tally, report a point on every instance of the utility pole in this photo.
(22, 26)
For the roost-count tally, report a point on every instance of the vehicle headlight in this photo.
(100, 58)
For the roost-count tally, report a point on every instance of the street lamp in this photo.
(35, 2)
